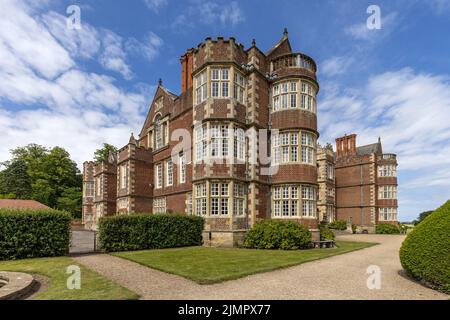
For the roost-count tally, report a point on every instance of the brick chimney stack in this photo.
(186, 70)
(346, 145)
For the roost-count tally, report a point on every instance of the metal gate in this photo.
(83, 241)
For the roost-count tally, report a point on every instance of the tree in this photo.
(422, 216)
(102, 154)
(51, 173)
(14, 180)
(71, 201)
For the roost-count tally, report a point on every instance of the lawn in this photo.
(211, 265)
(93, 285)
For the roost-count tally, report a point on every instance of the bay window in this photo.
(287, 94)
(387, 192)
(387, 214)
(287, 203)
(200, 87)
(285, 147)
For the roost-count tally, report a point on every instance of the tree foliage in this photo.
(422, 216)
(45, 175)
(102, 154)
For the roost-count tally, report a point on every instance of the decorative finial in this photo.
(160, 82)
(285, 33)
(379, 139)
(253, 42)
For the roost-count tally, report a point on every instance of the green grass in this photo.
(93, 285)
(212, 265)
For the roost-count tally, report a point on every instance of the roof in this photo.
(282, 46)
(21, 204)
(368, 149)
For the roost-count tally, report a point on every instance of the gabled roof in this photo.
(283, 46)
(21, 204)
(369, 149)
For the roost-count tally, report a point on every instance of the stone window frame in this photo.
(189, 204)
(220, 76)
(239, 206)
(159, 205)
(218, 198)
(201, 85)
(284, 197)
(280, 145)
(182, 167)
(89, 189)
(159, 175)
(200, 196)
(123, 176)
(303, 91)
(387, 214)
(169, 172)
(98, 181)
(387, 192)
(239, 86)
(387, 170)
(309, 201)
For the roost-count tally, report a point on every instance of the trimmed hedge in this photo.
(386, 228)
(338, 225)
(33, 233)
(149, 231)
(278, 234)
(425, 253)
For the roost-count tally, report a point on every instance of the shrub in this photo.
(338, 225)
(149, 231)
(354, 228)
(425, 252)
(33, 233)
(385, 228)
(326, 233)
(276, 234)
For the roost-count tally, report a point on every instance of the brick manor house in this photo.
(216, 172)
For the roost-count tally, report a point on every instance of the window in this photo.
(200, 87)
(200, 199)
(387, 170)
(238, 199)
(308, 201)
(308, 147)
(387, 192)
(286, 95)
(220, 83)
(89, 189)
(219, 198)
(201, 146)
(182, 168)
(239, 88)
(329, 171)
(169, 172)
(159, 205)
(159, 175)
(219, 141)
(189, 204)
(98, 185)
(239, 143)
(123, 176)
(285, 147)
(387, 214)
(285, 201)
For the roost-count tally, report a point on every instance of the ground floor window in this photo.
(388, 214)
(330, 214)
(200, 199)
(223, 198)
(287, 203)
(159, 205)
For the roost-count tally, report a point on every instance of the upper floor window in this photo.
(200, 87)
(239, 87)
(387, 170)
(161, 134)
(159, 175)
(123, 176)
(220, 83)
(388, 192)
(98, 186)
(169, 172)
(89, 189)
(285, 147)
(294, 94)
(329, 171)
(182, 167)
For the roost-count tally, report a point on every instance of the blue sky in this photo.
(79, 88)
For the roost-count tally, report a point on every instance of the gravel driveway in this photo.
(339, 277)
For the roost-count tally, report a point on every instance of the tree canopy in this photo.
(102, 153)
(422, 216)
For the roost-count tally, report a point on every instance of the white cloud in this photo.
(359, 31)
(54, 101)
(335, 66)
(439, 6)
(208, 13)
(149, 48)
(113, 56)
(156, 5)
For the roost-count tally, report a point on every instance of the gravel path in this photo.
(339, 277)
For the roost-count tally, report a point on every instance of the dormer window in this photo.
(160, 133)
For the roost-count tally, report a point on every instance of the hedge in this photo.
(338, 225)
(149, 231)
(278, 234)
(33, 233)
(386, 228)
(325, 232)
(426, 250)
